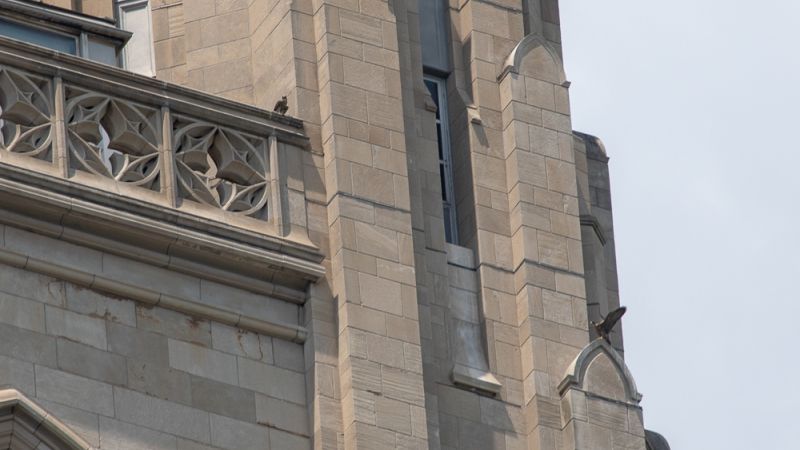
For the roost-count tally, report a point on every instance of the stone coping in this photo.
(152, 91)
(36, 423)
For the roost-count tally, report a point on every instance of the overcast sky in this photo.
(697, 103)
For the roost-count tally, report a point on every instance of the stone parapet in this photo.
(150, 170)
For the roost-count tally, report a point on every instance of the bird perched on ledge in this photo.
(281, 106)
(607, 324)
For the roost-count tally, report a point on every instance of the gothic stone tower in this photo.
(409, 258)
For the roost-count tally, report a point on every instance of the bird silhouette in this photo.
(607, 324)
(281, 106)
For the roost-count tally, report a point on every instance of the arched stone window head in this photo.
(600, 371)
(25, 425)
(535, 57)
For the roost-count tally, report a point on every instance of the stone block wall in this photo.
(123, 374)
(103, 9)
(412, 342)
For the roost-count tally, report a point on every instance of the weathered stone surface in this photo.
(137, 344)
(273, 381)
(161, 415)
(276, 413)
(22, 313)
(84, 423)
(17, 374)
(233, 434)
(223, 399)
(159, 381)
(202, 361)
(27, 345)
(75, 391)
(118, 435)
(91, 363)
(87, 330)
(94, 304)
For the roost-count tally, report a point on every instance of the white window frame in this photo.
(120, 8)
(79, 28)
(446, 160)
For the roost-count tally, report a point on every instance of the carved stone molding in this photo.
(599, 356)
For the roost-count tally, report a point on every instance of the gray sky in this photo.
(697, 103)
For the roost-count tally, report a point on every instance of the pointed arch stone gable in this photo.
(535, 57)
(599, 370)
(26, 425)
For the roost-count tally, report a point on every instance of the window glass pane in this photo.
(433, 88)
(436, 88)
(443, 180)
(138, 53)
(102, 51)
(439, 139)
(32, 35)
(448, 225)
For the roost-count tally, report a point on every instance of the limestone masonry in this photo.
(410, 258)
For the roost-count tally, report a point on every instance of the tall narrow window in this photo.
(437, 88)
(138, 55)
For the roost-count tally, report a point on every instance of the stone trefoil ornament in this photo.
(605, 326)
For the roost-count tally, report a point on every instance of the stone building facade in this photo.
(409, 259)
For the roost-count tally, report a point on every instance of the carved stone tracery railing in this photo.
(178, 156)
(113, 138)
(26, 103)
(221, 167)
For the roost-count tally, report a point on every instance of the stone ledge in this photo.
(158, 235)
(133, 86)
(152, 297)
(483, 382)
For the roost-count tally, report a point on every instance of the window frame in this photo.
(81, 29)
(121, 6)
(446, 160)
(75, 36)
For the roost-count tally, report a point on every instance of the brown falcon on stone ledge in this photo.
(281, 106)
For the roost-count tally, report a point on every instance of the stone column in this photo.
(545, 229)
(372, 269)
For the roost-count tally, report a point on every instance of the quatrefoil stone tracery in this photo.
(119, 139)
(113, 138)
(221, 167)
(25, 114)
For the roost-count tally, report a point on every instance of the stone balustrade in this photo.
(153, 171)
(137, 137)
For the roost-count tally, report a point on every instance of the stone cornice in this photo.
(152, 296)
(162, 236)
